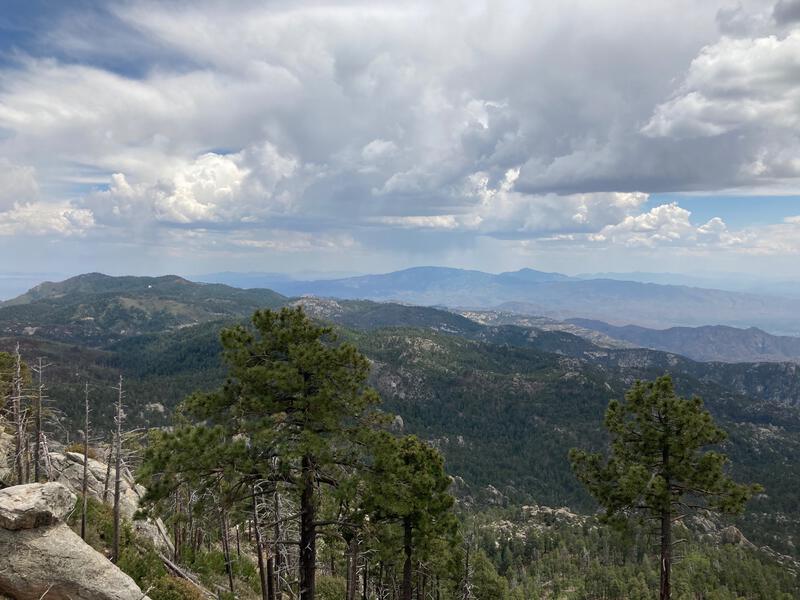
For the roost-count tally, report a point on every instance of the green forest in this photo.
(287, 474)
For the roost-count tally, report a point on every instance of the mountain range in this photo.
(706, 343)
(503, 396)
(558, 296)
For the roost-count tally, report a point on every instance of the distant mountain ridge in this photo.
(707, 343)
(558, 296)
(731, 282)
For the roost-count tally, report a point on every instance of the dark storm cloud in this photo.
(787, 11)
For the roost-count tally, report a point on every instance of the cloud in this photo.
(787, 11)
(733, 85)
(17, 183)
(378, 122)
(211, 189)
(45, 219)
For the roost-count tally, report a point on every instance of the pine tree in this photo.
(409, 487)
(658, 464)
(291, 411)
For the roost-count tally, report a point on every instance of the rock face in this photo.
(67, 469)
(44, 557)
(35, 505)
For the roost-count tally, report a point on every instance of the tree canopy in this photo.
(661, 463)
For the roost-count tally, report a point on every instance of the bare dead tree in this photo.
(118, 474)
(39, 398)
(226, 549)
(467, 591)
(19, 418)
(85, 482)
(109, 456)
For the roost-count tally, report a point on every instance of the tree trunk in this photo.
(117, 475)
(352, 568)
(266, 584)
(38, 424)
(308, 532)
(276, 548)
(365, 578)
(107, 480)
(271, 580)
(19, 429)
(666, 532)
(85, 481)
(226, 550)
(666, 554)
(408, 550)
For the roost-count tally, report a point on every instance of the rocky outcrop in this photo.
(67, 469)
(732, 536)
(35, 505)
(43, 557)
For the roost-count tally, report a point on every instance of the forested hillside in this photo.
(504, 403)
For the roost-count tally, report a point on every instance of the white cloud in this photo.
(43, 219)
(213, 188)
(734, 84)
(378, 120)
(206, 190)
(665, 225)
(17, 183)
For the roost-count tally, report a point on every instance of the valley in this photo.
(502, 396)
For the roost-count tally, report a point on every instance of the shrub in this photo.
(77, 447)
(331, 588)
(172, 588)
(142, 565)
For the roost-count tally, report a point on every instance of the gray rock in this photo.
(42, 556)
(732, 535)
(55, 558)
(67, 468)
(34, 505)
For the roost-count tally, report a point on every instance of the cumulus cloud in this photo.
(338, 121)
(39, 219)
(732, 85)
(667, 224)
(244, 187)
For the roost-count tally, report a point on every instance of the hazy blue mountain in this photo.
(707, 343)
(262, 280)
(423, 285)
(732, 282)
(558, 296)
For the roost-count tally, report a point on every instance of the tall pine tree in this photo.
(291, 412)
(659, 465)
(410, 488)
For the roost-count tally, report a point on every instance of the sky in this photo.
(194, 136)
